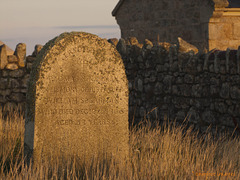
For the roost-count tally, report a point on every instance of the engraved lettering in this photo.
(82, 122)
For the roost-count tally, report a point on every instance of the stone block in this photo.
(37, 49)
(20, 52)
(3, 56)
(17, 73)
(223, 31)
(236, 31)
(121, 47)
(30, 59)
(12, 66)
(17, 97)
(3, 83)
(12, 59)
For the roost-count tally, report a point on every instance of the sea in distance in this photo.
(41, 35)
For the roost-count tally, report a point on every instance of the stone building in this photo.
(207, 24)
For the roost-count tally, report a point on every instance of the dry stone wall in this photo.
(205, 87)
(14, 74)
(164, 82)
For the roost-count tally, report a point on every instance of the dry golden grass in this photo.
(162, 152)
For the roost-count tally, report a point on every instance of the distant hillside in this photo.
(9, 50)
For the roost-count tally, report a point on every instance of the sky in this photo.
(36, 22)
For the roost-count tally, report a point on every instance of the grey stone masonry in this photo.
(165, 81)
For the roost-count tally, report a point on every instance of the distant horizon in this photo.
(41, 35)
(36, 23)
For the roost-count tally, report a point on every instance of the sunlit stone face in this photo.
(79, 106)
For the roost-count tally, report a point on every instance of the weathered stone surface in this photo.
(13, 83)
(121, 47)
(5, 93)
(3, 56)
(29, 66)
(235, 92)
(221, 3)
(185, 47)
(224, 93)
(5, 72)
(30, 58)
(12, 59)
(20, 52)
(133, 41)
(77, 102)
(139, 84)
(113, 41)
(12, 66)
(3, 83)
(9, 50)
(17, 73)
(165, 45)
(147, 44)
(17, 97)
(37, 49)
(25, 80)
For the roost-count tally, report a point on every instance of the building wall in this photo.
(224, 29)
(196, 21)
(166, 20)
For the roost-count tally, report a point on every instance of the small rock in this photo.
(17, 97)
(3, 56)
(147, 44)
(30, 58)
(37, 48)
(133, 41)
(20, 52)
(12, 66)
(121, 47)
(3, 83)
(185, 47)
(17, 74)
(165, 45)
(12, 59)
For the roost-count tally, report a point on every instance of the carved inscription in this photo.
(74, 89)
(83, 111)
(83, 122)
(73, 103)
(76, 100)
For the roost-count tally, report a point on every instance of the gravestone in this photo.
(77, 100)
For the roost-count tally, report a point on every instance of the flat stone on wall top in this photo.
(77, 101)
